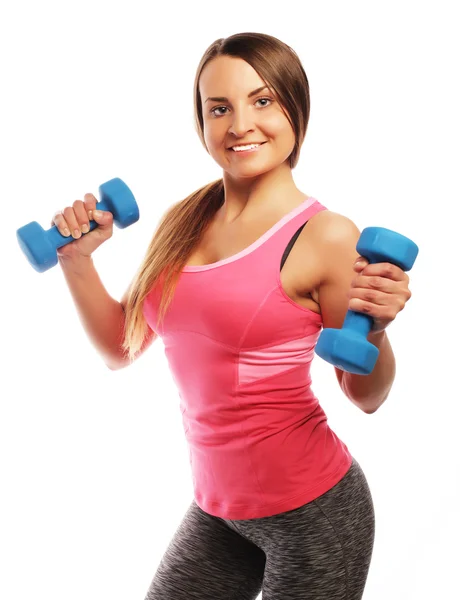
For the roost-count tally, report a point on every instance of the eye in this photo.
(212, 111)
(218, 108)
(260, 99)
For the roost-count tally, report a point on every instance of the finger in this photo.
(359, 266)
(385, 269)
(90, 205)
(375, 282)
(360, 263)
(104, 218)
(377, 311)
(81, 215)
(61, 224)
(370, 296)
(72, 223)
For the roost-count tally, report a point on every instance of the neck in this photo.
(247, 197)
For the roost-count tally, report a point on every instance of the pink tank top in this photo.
(239, 350)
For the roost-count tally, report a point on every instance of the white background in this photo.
(94, 466)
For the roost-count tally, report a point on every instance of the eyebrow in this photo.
(224, 99)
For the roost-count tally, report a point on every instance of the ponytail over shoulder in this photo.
(175, 238)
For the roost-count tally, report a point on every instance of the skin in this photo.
(260, 186)
(261, 182)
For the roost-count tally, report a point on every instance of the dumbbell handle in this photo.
(359, 323)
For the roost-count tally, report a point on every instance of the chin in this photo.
(248, 173)
(255, 170)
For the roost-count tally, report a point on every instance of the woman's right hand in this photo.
(75, 219)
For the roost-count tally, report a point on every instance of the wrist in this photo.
(376, 337)
(75, 265)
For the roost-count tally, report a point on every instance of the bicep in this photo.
(339, 253)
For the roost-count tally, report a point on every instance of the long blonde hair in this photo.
(182, 226)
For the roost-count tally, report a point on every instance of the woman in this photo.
(238, 280)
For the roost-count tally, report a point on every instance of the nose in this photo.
(241, 123)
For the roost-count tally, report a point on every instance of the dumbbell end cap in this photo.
(120, 200)
(379, 244)
(38, 251)
(347, 351)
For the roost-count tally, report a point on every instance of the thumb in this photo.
(360, 263)
(102, 217)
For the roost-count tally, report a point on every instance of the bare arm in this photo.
(102, 316)
(337, 237)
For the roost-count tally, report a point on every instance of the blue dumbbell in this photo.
(347, 348)
(40, 246)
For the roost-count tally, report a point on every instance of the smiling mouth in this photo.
(251, 147)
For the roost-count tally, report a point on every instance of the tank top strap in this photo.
(275, 246)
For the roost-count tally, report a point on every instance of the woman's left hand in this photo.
(379, 290)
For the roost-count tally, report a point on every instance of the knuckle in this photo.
(78, 205)
(365, 308)
(375, 282)
(90, 205)
(387, 270)
(370, 295)
(68, 212)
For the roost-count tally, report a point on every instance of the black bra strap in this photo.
(291, 244)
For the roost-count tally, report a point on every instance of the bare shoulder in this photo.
(329, 241)
(331, 228)
(332, 237)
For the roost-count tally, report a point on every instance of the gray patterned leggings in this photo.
(320, 551)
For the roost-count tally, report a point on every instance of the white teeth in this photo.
(240, 148)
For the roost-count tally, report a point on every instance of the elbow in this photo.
(112, 367)
(371, 406)
(366, 407)
(365, 398)
(117, 364)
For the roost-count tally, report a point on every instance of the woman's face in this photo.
(238, 110)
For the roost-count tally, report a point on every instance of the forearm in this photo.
(369, 392)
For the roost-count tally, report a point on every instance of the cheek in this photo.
(279, 127)
(212, 134)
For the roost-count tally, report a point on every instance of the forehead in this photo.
(228, 74)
